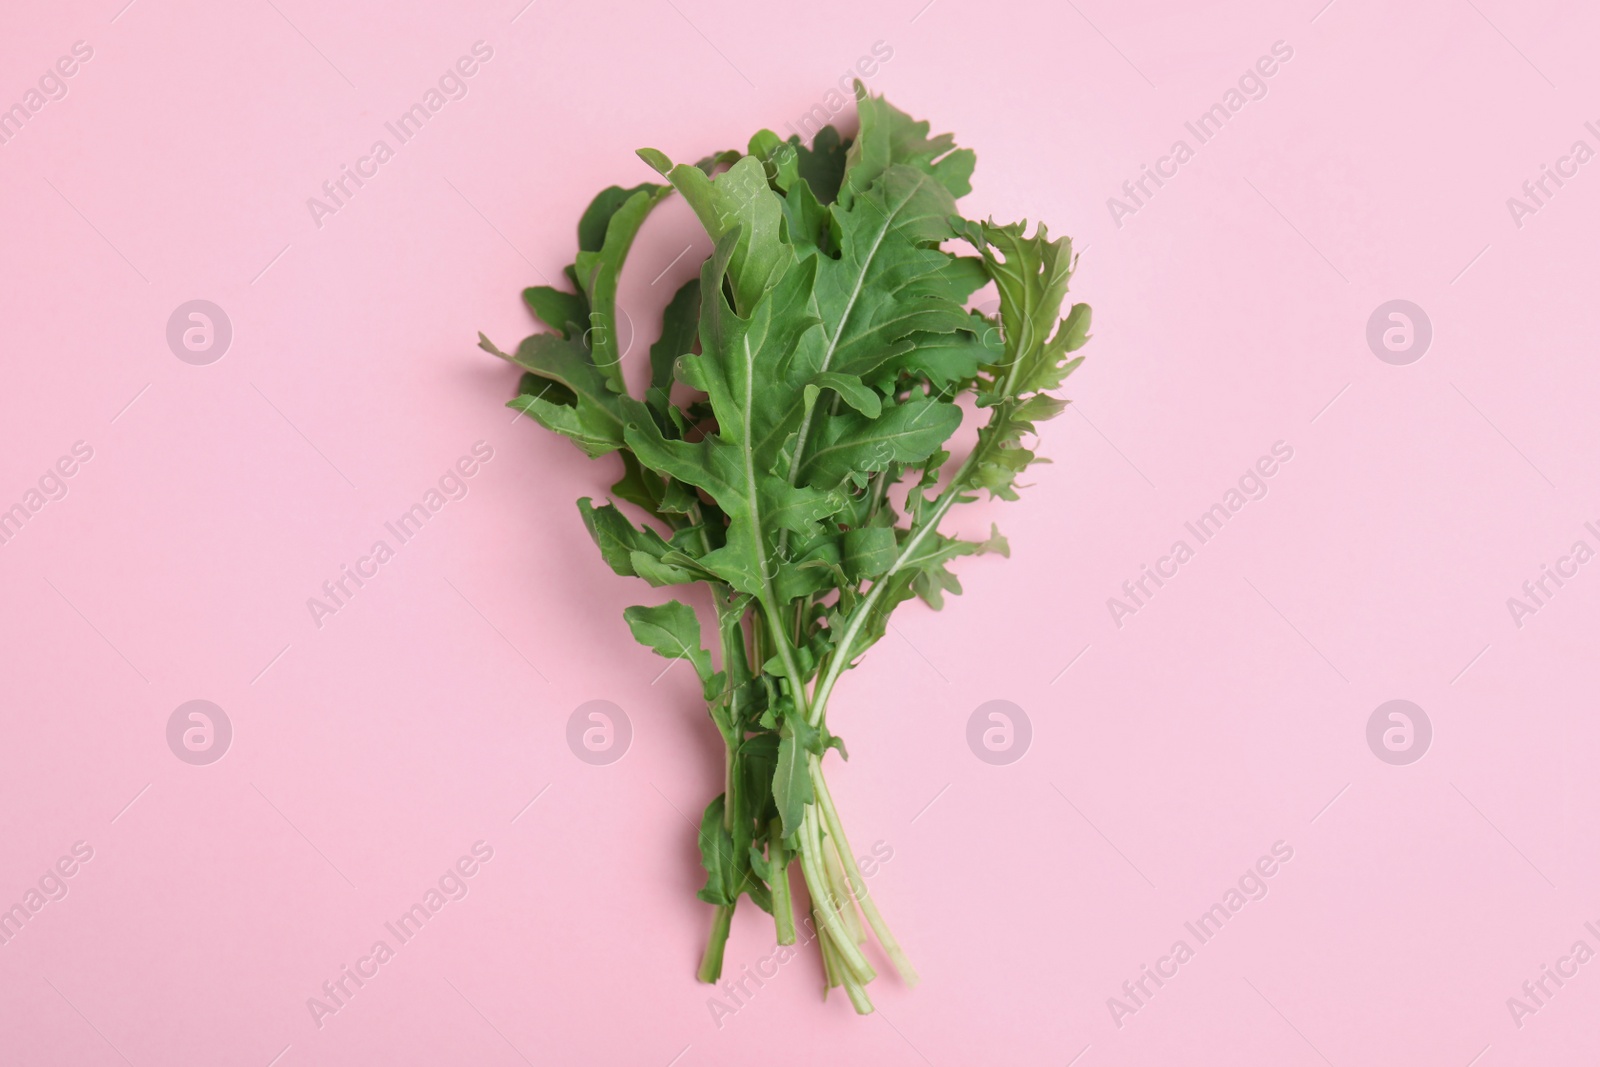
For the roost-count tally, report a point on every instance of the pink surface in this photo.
(1225, 717)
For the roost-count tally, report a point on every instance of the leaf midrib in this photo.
(849, 308)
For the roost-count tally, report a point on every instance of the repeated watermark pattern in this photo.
(1538, 591)
(834, 102)
(1537, 992)
(127, 592)
(1537, 192)
(1399, 332)
(999, 732)
(1399, 732)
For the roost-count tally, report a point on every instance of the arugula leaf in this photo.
(791, 780)
(619, 539)
(907, 432)
(1032, 275)
(680, 325)
(740, 201)
(890, 136)
(717, 856)
(734, 465)
(565, 392)
(671, 630)
(791, 450)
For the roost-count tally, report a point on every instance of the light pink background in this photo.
(1225, 716)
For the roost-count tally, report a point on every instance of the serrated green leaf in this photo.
(617, 538)
(1031, 274)
(671, 630)
(739, 201)
(905, 433)
(586, 411)
(752, 405)
(889, 137)
(565, 312)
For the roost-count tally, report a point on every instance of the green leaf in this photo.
(1031, 274)
(758, 762)
(889, 284)
(617, 538)
(851, 391)
(943, 360)
(741, 201)
(778, 158)
(595, 222)
(640, 486)
(717, 857)
(804, 662)
(739, 368)
(869, 552)
(574, 399)
(605, 234)
(658, 572)
(890, 280)
(791, 779)
(812, 565)
(680, 324)
(889, 136)
(565, 312)
(822, 165)
(671, 630)
(905, 433)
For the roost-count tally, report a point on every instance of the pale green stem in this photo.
(821, 899)
(858, 884)
(711, 962)
(855, 991)
(782, 898)
(839, 887)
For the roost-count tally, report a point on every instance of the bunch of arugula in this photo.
(811, 370)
